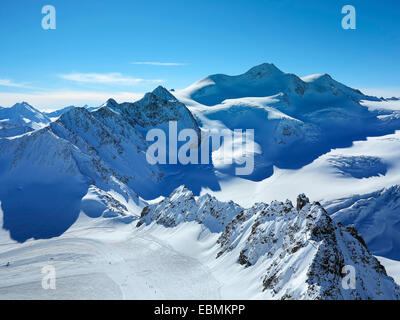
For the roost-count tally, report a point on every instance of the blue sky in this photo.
(92, 53)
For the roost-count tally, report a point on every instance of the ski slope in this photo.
(101, 259)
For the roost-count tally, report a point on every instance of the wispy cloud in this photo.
(155, 63)
(106, 78)
(10, 83)
(62, 98)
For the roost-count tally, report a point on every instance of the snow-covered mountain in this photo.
(23, 114)
(105, 148)
(298, 252)
(376, 216)
(289, 114)
(261, 81)
(56, 113)
(21, 118)
(267, 80)
(81, 157)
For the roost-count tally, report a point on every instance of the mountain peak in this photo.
(23, 105)
(23, 114)
(302, 200)
(163, 93)
(264, 69)
(111, 102)
(24, 108)
(181, 191)
(73, 113)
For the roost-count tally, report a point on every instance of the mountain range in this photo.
(74, 169)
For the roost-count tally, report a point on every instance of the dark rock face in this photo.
(302, 200)
(353, 231)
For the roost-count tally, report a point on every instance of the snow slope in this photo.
(103, 259)
(376, 216)
(392, 267)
